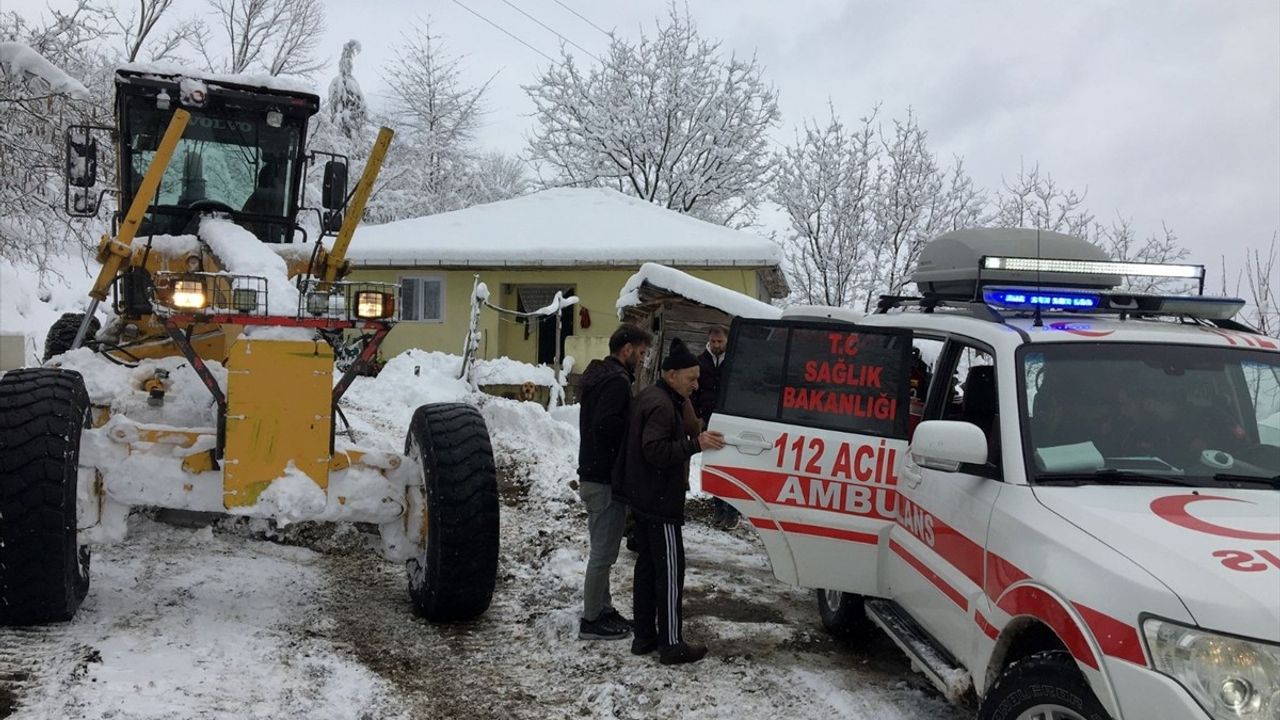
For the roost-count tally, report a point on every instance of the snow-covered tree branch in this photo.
(670, 119)
(279, 37)
(862, 204)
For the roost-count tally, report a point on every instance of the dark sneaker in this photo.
(682, 653)
(643, 646)
(602, 629)
(616, 617)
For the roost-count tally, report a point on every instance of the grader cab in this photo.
(212, 388)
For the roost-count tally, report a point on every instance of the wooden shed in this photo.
(670, 304)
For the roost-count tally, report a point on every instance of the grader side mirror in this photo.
(334, 193)
(82, 158)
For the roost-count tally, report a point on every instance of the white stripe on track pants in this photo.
(659, 581)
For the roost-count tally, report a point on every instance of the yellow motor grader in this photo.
(212, 389)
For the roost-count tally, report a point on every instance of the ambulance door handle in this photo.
(749, 443)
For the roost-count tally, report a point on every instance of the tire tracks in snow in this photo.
(37, 664)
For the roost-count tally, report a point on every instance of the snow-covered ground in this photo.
(239, 620)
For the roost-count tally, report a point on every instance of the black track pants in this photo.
(659, 581)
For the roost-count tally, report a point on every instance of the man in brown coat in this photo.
(652, 474)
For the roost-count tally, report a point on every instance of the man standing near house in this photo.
(602, 425)
(653, 475)
(704, 402)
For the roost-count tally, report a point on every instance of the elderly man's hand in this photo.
(711, 440)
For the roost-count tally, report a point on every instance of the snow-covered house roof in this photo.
(653, 276)
(557, 228)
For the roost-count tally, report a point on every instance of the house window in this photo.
(422, 298)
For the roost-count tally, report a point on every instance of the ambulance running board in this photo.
(927, 657)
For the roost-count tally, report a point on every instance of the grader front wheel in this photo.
(453, 575)
(44, 572)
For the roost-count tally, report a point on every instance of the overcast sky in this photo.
(1164, 111)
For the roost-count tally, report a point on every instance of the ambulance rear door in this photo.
(815, 414)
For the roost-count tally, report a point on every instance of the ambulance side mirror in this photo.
(948, 445)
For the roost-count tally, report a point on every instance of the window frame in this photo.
(903, 392)
(419, 278)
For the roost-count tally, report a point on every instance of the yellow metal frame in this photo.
(113, 252)
(335, 261)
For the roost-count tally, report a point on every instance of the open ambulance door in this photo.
(815, 414)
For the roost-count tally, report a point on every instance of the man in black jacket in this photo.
(704, 401)
(652, 474)
(602, 424)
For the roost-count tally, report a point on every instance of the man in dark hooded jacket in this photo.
(653, 475)
(602, 423)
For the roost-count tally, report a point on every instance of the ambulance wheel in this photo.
(1043, 686)
(843, 614)
(63, 332)
(455, 513)
(44, 572)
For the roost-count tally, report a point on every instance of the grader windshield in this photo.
(241, 154)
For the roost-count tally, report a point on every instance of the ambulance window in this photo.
(848, 379)
(815, 374)
(1263, 385)
(971, 389)
(925, 354)
(754, 371)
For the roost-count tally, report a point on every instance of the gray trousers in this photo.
(606, 520)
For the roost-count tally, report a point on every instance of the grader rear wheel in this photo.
(44, 572)
(453, 576)
(63, 332)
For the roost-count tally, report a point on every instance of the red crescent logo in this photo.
(1174, 509)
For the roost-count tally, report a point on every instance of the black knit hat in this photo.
(678, 356)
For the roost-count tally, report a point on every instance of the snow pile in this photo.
(30, 302)
(18, 59)
(696, 289)
(505, 371)
(187, 401)
(559, 227)
(291, 498)
(243, 254)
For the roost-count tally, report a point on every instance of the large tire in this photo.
(63, 332)
(843, 614)
(44, 573)
(1049, 682)
(454, 574)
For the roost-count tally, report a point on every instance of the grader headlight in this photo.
(189, 294)
(373, 305)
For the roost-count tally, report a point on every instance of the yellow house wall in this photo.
(597, 290)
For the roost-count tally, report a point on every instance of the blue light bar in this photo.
(1043, 298)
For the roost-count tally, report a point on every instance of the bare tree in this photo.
(52, 74)
(917, 199)
(429, 97)
(139, 25)
(439, 115)
(825, 184)
(1033, 200)
(1261, 272)
(669, 119)
(277, 36)
(862, 206)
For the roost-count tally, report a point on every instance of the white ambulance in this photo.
(1059, 497)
